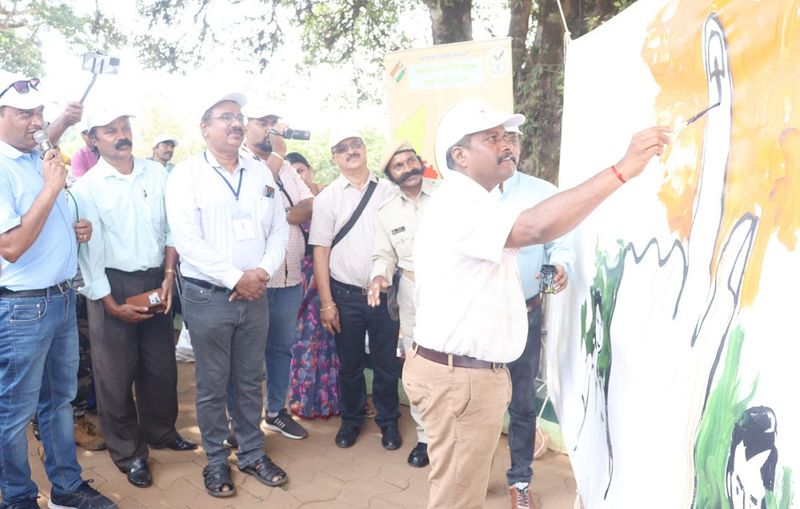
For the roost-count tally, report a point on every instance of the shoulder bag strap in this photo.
(283, 190)
(356, 213)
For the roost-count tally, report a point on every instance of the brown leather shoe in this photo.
(521, 498)
(88, 436)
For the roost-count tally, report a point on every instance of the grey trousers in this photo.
(229, 339)
(126, 355)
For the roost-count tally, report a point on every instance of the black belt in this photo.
(60, 289)
(350, 288)
(451, 359)
(534, 302)
(139, 273)
(205, 284)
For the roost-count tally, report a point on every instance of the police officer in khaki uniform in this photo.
(393, 248)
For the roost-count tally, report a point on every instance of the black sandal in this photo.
(216, 477)
(266, 471)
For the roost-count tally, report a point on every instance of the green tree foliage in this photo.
(23, 21)
(356, 34)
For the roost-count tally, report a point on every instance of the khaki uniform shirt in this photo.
(394, 237)
(394, 245)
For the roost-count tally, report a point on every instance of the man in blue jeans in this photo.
(525, 189)
(284, 291)
(38, 327)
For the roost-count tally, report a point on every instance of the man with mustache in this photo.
(342, 265)
(525, 190)
(471, 314)
(284, 289)
(163, 149)
(394, 241)
(231, 233)
(131, 252)
(38, 335)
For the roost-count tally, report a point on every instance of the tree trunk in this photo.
(518, 31)
(451, 20)
(539, 77)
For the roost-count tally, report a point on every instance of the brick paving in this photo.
(321, 475)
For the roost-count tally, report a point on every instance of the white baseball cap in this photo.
(260, 109)
(343, 133)
(105, 114)
(236, 97)
(161, 138)
(28, 100)
(467, 117)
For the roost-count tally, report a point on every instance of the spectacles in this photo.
(344, 147)
(22, 86)
(228, 118)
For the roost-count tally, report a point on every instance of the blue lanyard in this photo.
(217, 169)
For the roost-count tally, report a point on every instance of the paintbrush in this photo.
(694, 118)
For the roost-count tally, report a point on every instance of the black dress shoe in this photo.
(347, 435)
(419, 455)
(391, 439)
(139, 473)
(179, 444)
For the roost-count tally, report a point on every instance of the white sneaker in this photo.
(183, 350)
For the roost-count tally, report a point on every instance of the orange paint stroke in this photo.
(764, 162)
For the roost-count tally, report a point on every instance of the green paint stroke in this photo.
(603, 299)
(713, 443)
(716, 429)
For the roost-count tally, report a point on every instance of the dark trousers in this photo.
(229, 340)
(124, 355)
(522, 410)
(358, 319)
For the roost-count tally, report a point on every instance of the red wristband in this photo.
(617, 173)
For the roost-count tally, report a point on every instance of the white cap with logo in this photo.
(467, 117)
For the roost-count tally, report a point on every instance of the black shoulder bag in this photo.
(356, 213)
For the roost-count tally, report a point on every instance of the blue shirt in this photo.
(522, 189)
(129, 221)
(53, 256)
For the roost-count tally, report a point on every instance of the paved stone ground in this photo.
(321, 475)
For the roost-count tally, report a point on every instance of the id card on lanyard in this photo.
(241, 220)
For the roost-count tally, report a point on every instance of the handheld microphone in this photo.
(293, 134)
(41, 138)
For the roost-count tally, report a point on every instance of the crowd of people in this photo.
(280, 280)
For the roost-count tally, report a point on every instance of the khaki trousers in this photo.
(462, 411)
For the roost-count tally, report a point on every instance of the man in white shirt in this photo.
(341, 273)
(471, 314)
(230, 231)
(130, 253)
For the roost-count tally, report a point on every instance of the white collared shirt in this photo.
(202, 209)
(351, 259)
(129, 221)
(468, 295)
